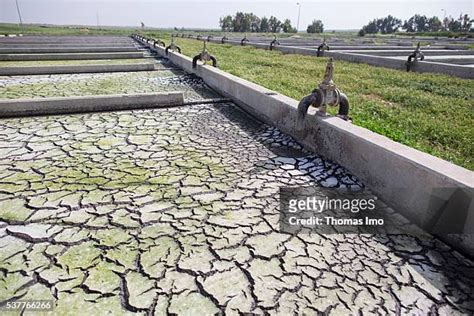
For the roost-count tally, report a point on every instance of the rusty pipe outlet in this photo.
(159, 42)
(321, 48)
(325, 94)
(274, 43)
(205, 57)
(172, 47)
(414, 57)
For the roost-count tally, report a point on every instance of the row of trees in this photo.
(316, 26)
(385, 25)
(418, 23)
(249, 22)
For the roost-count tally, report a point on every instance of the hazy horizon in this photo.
(336, 15)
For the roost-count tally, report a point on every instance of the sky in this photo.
(335, 14)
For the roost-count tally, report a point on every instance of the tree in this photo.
(264, 26)
(254, 23)
(420, 23)
(315, 27)
(287, 28)
(371, 27)
(274, 24)
(237, 22)
(435, 24)
(385, 25)
(246, 23)
(409, 25)
(226, 23)
(454, 25)
(389, 24)
(466, 23)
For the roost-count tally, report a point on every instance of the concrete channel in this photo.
(98, 103)
(44, 70)
(40, 50)
(70, 56)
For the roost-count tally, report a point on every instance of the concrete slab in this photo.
(42, 70)
(70, 56)
(68, 45)
(391, 53)
(67, 50)
(98, 103)
(76, 62)
(450, 59)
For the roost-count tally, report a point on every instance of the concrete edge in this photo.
(402, 176)
(49, 70)
(98, 103)
(67, 50)
(70, 56)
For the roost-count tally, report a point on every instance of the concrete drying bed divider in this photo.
(98, 103)
(70, 56)
(387, 62)
(60, 40)
(405, 53)
(59, 45)
(48, 70)
(402, 176)
(419, 66)
(464, 60)
(65, 49)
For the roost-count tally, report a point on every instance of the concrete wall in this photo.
(47, 70)
(402, 176)
(66, 50)
(70, 56)
(98, 103)
(405, 53)
(21, 46)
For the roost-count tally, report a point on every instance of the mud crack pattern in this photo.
(68, 85)
(175, 211)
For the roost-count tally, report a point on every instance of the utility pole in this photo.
(19, 16)
(97, 15)
(444, 19)
(299, 11)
